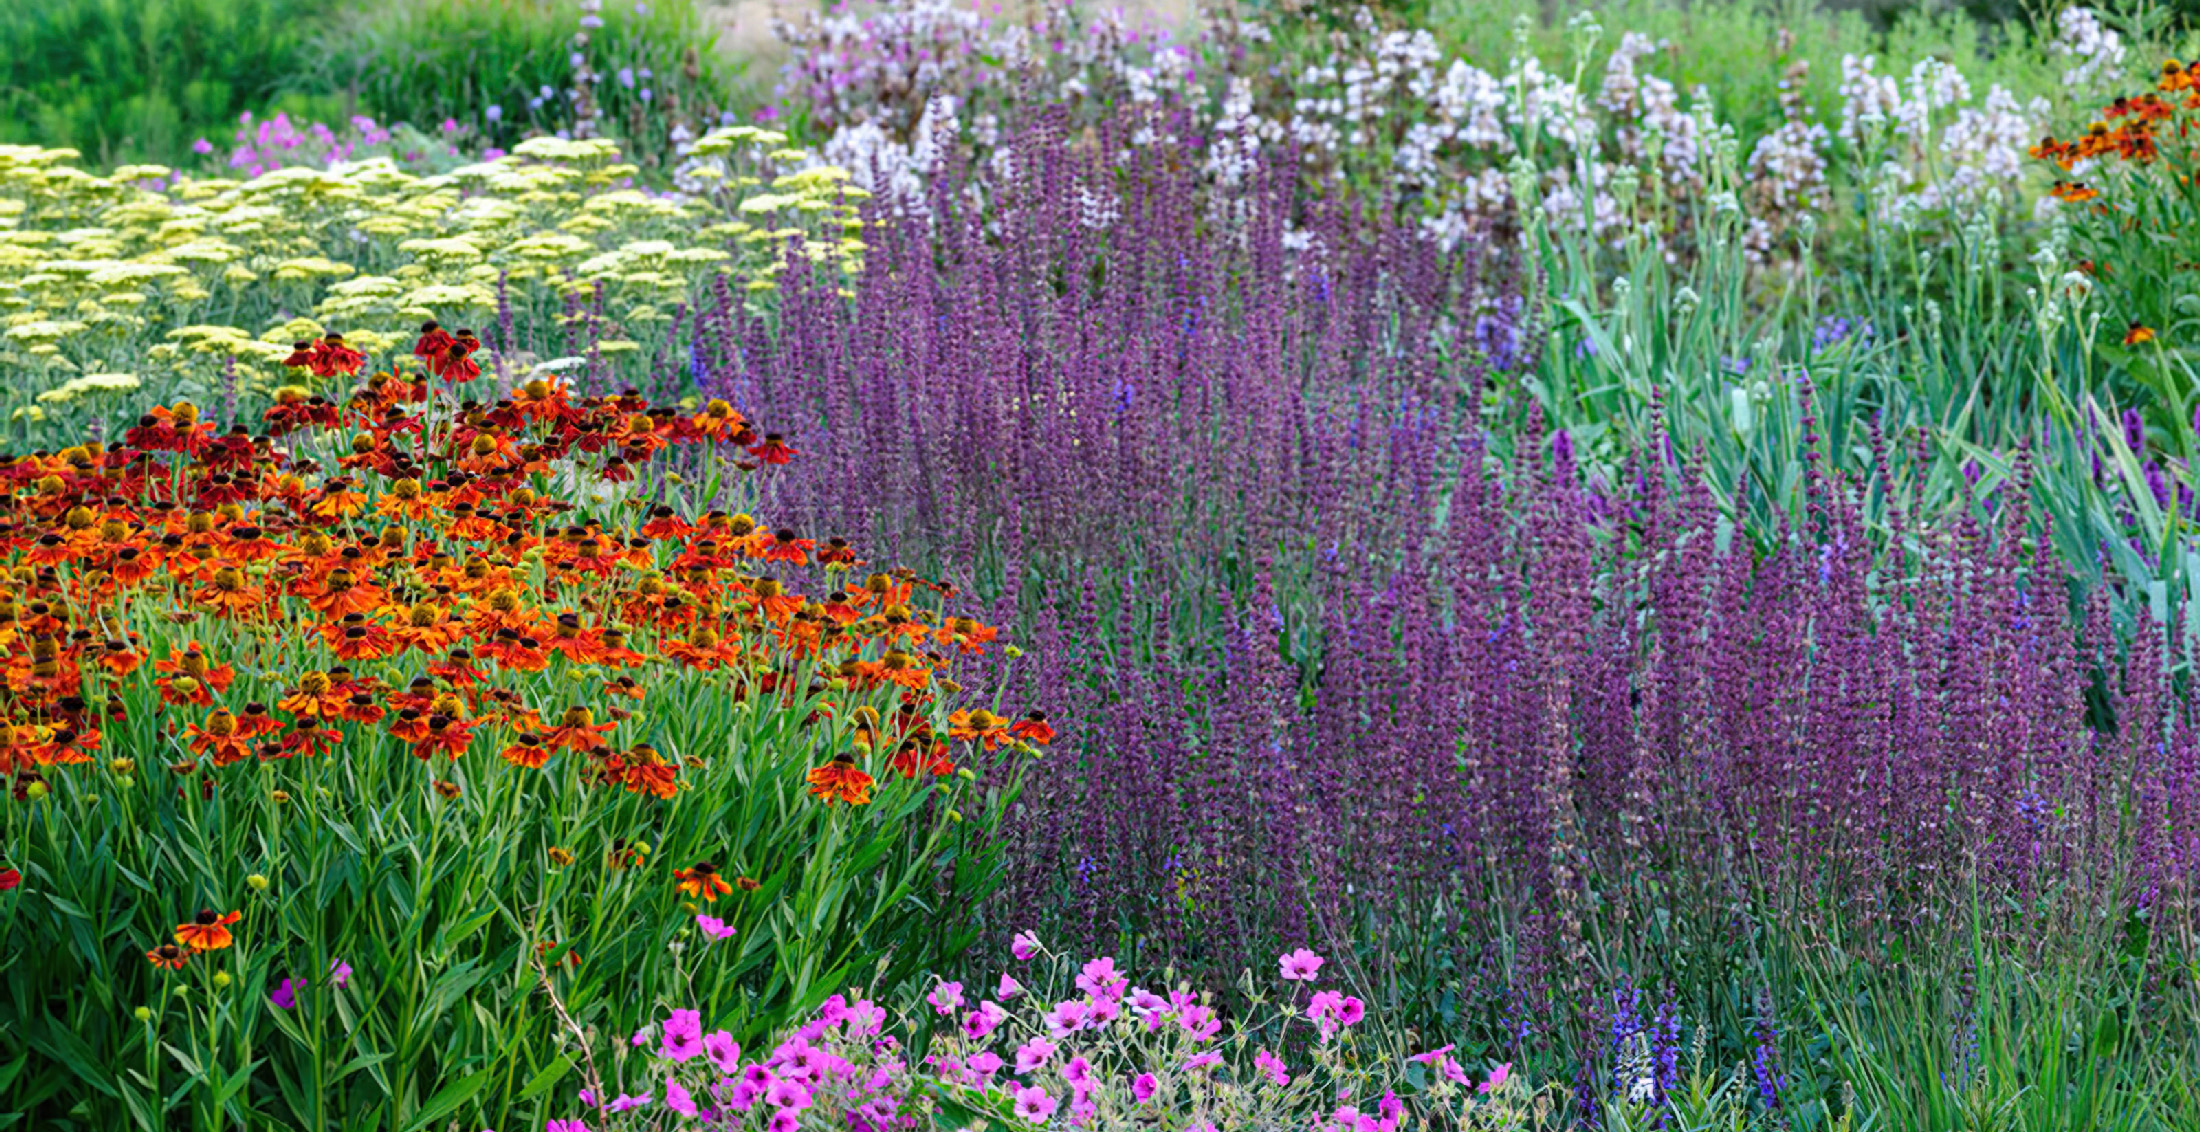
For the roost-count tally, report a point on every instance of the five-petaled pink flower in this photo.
(714, 927)
(683, 1035)
(1067, 1018)
(1100, 979)
(947, 998)
(1033, 1104)
(984, 1020)
(725, 1053)
(679, 1100)
(1301, 966)
(1332, 1011)
(1497, 1078)
(1033, 1054)
(787, 1094)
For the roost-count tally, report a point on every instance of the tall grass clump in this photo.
(647, 74)
(140, 80)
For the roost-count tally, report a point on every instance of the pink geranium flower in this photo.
(683, 1035)
(1033, 1054)
(1035, 1105)
(1301, 966)
(725, 1053)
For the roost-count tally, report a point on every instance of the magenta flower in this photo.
(1497, 1078)
(986, 1064)
(624, 1102)
(1301, 966)
(1008, 989)
(1272, 1067)
(1200, 1061)
(285, 995)
(1066, 1018)
(339, 972)
(1033, 1104)
(786, 1095)
(785, 1120)
(1033, 1054)
(679, 1099)
(947, 998)
(725, 1053)
(865, 1017)
(1144, 1086)
(565, 1126)
(714, 927)
(1025, 945)
(1100, 979)
(1332, 1011)
(984, 1020)
(683, 1035)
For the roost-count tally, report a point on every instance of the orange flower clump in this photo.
(401, 570)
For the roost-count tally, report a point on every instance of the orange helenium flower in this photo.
(207, 931)
(841, 780)
(703, 881)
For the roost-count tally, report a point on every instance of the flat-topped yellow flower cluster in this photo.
(103, 276)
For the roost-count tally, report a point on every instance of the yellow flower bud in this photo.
(143, 1013)
(257, 881)
(221, 979)
(35, 791)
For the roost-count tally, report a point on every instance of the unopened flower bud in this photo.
(257, 881)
